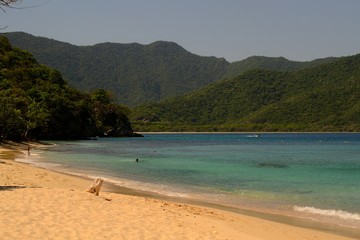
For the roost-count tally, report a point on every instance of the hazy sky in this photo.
(233, 29)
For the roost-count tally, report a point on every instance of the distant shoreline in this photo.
(247, 132)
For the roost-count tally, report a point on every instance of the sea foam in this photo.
(328, 212)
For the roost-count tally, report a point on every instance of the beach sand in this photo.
(36, 203)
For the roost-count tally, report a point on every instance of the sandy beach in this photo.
(40, 204)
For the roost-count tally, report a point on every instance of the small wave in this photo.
(147, 187)
(272, 165)
(23, 160)
(328, 212)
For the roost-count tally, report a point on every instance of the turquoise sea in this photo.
(307, 175)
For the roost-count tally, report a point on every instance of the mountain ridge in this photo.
(323, 98)
(138, 73)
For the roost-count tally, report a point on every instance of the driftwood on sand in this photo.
(95, 186)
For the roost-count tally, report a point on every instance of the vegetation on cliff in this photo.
(323, 98)
(37, 103)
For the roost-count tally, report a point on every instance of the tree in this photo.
(111, 118)
(37, 103)
(10, 4)
(12, 124)
(7, 3)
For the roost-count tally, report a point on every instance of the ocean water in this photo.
(306, 175)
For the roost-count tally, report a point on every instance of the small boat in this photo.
(253, 136)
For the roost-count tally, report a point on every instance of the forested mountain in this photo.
(323, 98)
(137, 73)
(271, 63)
(37, 103)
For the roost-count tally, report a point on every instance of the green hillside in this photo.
(136, 73)
(323, 98)
(37, 103)
(272, 63)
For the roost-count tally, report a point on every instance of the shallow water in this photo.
(308, 175)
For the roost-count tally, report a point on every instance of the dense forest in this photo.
(271, 63)
(274, 95)
(323, 98)
(139, 73)
(135, 73)
(37, 103)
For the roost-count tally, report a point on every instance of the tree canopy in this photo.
(37, 103)
(139, 73)
(7, 3)
(323, 98)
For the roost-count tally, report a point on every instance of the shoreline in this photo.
(302, 222)
(278, 217)
(80, 183)
(259, 132)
